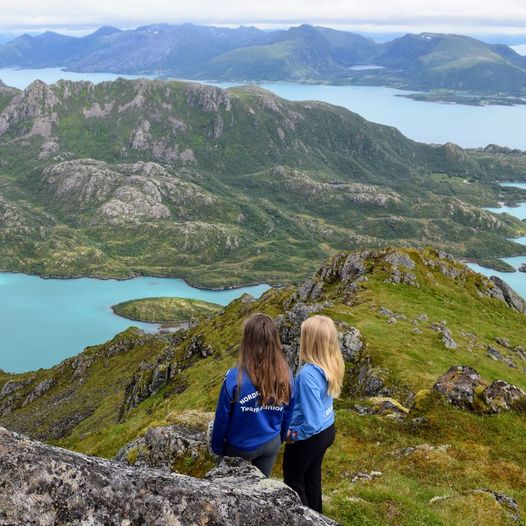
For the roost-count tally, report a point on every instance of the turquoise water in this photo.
(44, 321)
(516, 279)
(517, 211)
(468, 126)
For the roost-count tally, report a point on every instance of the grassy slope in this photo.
(165, 309)
(486, 451)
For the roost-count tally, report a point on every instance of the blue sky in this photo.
(502, 17)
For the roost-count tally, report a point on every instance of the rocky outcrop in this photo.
(145, 382)
(198, 347)
(502, 396)
(447, 337)
(458, 386)
(121, 194)
(502, 291)
(33, 110)
(163, 447)
(45, 485)
(496, 355)
(289, 327)
(463, 387)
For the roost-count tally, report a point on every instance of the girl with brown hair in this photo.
(256, 400)
(312, 430)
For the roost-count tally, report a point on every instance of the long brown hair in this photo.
(319, 345)
(262, 358)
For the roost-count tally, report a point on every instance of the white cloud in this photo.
(467, 16)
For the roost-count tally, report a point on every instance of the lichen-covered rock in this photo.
(44, 485)
(162, 447)
(351, 343)
(289, 327)
(386, 406)
(458, 386)
(502, 396)
(146, 381)
(198, 347)
(447, 337)
(421, 448)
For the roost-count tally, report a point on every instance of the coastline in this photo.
(140, 275)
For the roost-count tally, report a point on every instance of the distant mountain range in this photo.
(427, 61)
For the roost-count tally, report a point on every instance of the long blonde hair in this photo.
(261, 357)
(319, 345)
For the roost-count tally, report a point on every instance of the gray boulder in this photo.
(458, 386)
(502, 396)
(45, 485)
(351, 343)
(162, 447)
(504, 292)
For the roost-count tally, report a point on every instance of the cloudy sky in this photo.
(382, 16)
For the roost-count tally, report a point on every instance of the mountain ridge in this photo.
(426, 61)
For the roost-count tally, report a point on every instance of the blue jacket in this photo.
(241, 422)
(313, 410)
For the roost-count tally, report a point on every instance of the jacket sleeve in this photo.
(287, 412)
(309, 394)
(222, 418)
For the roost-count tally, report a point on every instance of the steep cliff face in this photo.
(44, 485)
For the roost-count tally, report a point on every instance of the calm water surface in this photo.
(43, 321)
(517, 211)
(21, 78)
(516, 279)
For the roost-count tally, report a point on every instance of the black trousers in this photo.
(302, 466)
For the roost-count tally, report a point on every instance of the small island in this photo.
(168, 311)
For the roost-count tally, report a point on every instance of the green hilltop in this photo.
(158, 310)
(226, 187)
(403, 452)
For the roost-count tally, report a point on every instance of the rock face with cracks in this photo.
(44, 485)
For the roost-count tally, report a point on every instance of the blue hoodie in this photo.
(313, 410)
(241, 422)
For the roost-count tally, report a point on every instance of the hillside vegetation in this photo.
(409, 450)
(228, 187)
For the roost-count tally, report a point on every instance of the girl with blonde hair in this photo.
(255, 405)
(312, 430)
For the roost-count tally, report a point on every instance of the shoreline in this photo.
(139, 275)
